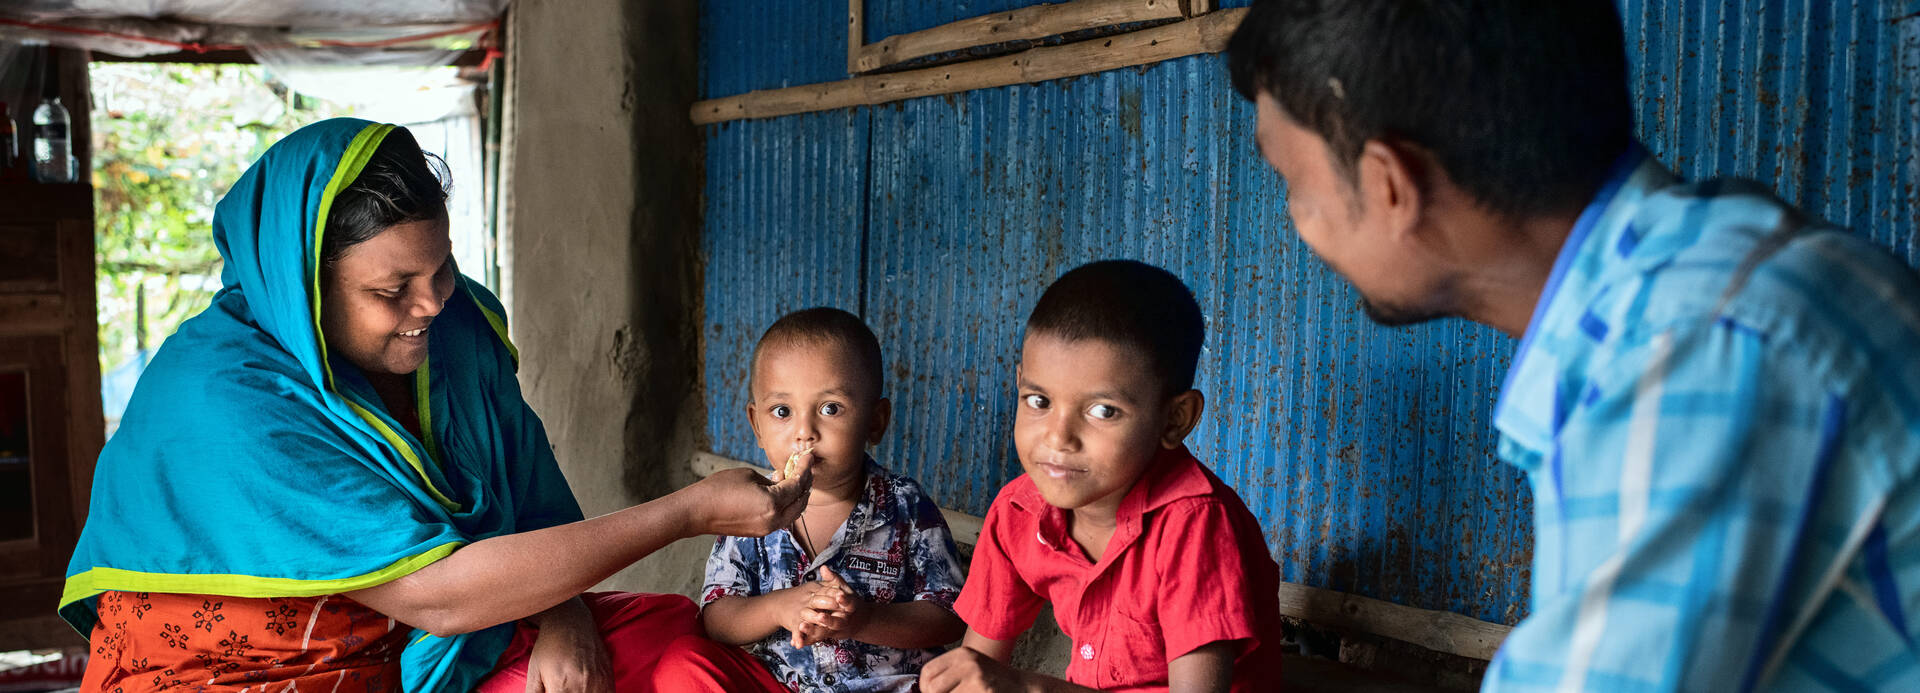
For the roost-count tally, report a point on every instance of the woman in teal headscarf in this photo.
(329, 479)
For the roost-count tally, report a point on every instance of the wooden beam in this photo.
(1207, 33)
(1441, 631)
(42, 630)
(1026, 23)
(471, 58)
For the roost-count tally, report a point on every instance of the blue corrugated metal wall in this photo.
(1366, 452)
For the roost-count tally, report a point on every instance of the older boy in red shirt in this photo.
(1154, 567)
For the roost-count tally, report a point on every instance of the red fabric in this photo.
(694, 663)
(155, 641)
(634, 626)
(1187, 566)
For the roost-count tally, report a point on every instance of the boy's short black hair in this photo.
(1524, 103)
(1131, 304)
(830, 326)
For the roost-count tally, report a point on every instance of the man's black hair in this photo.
(829, 326)
(1523, 103)
(1130, 304)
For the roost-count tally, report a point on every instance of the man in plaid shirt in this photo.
(1716, 399)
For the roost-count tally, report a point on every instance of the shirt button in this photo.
(1086, 651)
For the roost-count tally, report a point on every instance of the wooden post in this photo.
(856, 32)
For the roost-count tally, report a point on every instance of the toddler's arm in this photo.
(841, 614)
(742, 620)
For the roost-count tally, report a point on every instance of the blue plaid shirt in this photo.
(894, 548)
(1718, 405)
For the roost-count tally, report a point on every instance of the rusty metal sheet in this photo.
(783, 208)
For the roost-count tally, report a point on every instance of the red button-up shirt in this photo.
(1187, 566)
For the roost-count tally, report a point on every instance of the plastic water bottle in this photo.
(52, 142)
(8, 150)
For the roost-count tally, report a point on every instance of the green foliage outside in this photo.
(168, 140)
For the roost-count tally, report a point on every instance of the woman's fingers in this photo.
(790, 490)
(792, 466)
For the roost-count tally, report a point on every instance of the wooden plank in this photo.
(39, 631)
(32, 314)
(86, 423)
(1441, 631)
(856, 32)
(1207, 33)
(1026, 23)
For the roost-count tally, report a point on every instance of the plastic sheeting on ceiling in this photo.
(416, 32)
(303, 14)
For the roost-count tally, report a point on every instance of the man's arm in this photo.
(1705, 491)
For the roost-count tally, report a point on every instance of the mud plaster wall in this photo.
(601, 267)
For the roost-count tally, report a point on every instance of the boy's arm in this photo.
(1208, 669)
(979, 665)
(1000, 650)
(910, 625)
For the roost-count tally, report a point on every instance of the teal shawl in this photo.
(252, 464)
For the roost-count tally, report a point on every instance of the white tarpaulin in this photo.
(297, 14)
(409, 32)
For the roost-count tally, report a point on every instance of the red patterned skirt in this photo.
(157, 642)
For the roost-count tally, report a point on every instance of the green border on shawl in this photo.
(406, 451)
(92, 582)
(358, 153)
(422, 399)
(498, 322)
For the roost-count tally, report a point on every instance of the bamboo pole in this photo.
(1026, 23)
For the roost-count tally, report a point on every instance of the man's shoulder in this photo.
(1731, 253)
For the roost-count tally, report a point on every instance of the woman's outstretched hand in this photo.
(742, 503)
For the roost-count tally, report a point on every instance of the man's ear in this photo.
(1183, 414)
(1393, 180)
(882, 416)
